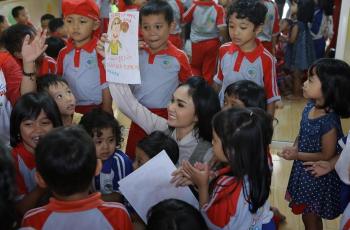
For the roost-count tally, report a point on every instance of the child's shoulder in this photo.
(120, 156)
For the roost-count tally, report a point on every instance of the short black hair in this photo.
(253, 10)
(66, 160)
(7, 188)
(173, 214)
(54, 46)
(15, 11)
(250, 93)
(44, 82)
(55, 23)
(2, 18)
(29, 106)
(47, 17)
(12, 38)
(334, 76)
(98, 119)
(156, 7)
(158, 141)
(306, 10)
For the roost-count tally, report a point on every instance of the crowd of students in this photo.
(205, 108)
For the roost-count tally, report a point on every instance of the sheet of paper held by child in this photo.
(122, 52)
(150, 184)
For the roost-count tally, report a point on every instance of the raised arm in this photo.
(139, 114)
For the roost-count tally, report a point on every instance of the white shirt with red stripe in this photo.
(228, 208)
(206, 17)
(271, 24)
(178, 10)
(257, 66)
(89, 213)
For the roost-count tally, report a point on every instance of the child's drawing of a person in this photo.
(117, 27)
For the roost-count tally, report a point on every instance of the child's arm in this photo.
(271, 108)
(321, 168)
(30, 200)
(293, 34)
(107, 100)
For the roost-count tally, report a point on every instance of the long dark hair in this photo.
(242, 137)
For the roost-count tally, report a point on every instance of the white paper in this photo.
(343, 163)
(150, 184)
(122, 52)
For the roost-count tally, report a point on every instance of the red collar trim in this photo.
(251, 56)
(205, 3)
(89, 47)
(223, 171)
(90, 202)
(27, 156)
(169, 50)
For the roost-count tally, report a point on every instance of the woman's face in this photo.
(181, 110)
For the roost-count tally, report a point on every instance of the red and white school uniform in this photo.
(257, 66)
(161, 73)
(89, 213)
(175, 35)
(25, 170)
(84, 71)
(206, 17)
(228, 207)
(48, 65)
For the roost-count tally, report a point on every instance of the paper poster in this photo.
(122, 52)
(150, 184)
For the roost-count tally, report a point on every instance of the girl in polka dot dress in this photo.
(320, 128)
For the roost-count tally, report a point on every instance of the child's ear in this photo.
(259, 29)
(98, 167)
(40, 180)
(96, 24)
(172, 26)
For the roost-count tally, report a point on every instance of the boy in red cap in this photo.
(78, 63)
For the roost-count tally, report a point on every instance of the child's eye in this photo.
(59, 96)
(111, 140)
(81, 21)
(46, 122)
(243, 28)
(180, 105)
(158, 27)
(27, 123)
(69, 91)
(145, 27)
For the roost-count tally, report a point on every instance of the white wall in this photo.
(36, 8)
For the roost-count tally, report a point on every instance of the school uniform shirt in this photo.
(228, 208)
(178, 10)
(257, 66)
(150, 122)
(83, 69)
(205, 18)
(89, 213)
(161, 74)
(115, 168)
(48, 65)
(25, 170)
(271, 24)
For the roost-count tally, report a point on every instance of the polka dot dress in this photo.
(320, 196)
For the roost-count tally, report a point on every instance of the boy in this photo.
(78, 62)
(60, 91)
(245, 58)
(162, 65)
(4, 24)
(56, 28)
(207, 25)
(21, 15)
(66, 163)
(44, 20)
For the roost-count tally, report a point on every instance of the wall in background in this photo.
(36, 8)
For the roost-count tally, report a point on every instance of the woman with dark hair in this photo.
(190, 111)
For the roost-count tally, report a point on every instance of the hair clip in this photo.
(251, 113)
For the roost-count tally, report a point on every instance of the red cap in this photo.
(87, 8)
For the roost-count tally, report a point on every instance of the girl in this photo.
(327, 88)
(239, 192)
(190, 111)
(34, 115)
(300, 51)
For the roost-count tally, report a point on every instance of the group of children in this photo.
(80, 166)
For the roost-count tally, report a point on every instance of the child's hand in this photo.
(198, 174)
(31, 51)
(319, 168)
(289, 153)
(100, 47)
(180, 178)
(142, 44)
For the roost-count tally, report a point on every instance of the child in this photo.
(56, 28)
(239, 192)
(107, 136)
(60, 91)
(66, 163)
(134, 5)
(327, 88)
(4, 24)
(174, 214)
(207, 25)
(78, 62)
(245, 58)
(45, 20)
(13, 39)
(160, 58)
(300, 51)
(153, 144)
(54, 46)
(33, 116)
(175, 35)
(21, 15)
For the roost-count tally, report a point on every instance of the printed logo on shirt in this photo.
(252, 73)
(91, 62)
(166, 63)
